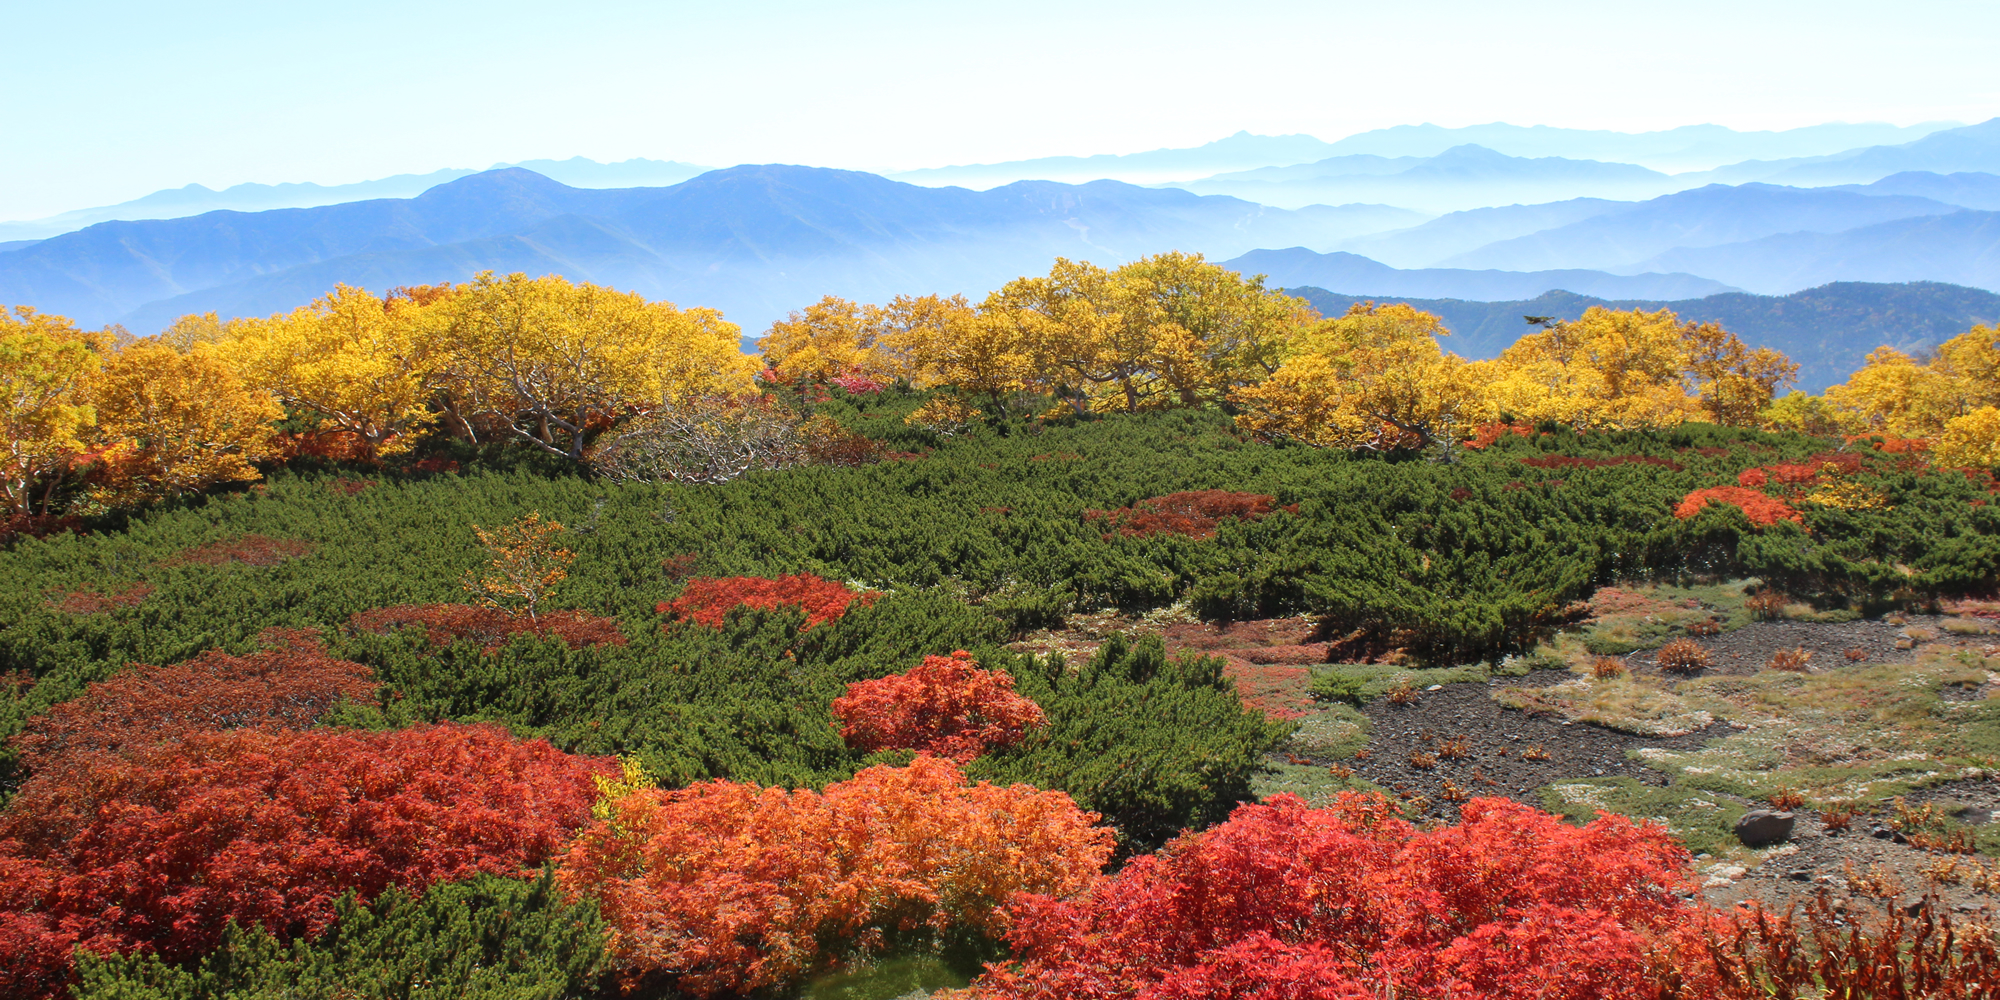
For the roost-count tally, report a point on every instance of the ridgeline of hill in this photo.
(1828, 330)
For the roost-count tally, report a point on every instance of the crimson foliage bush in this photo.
(160, 847)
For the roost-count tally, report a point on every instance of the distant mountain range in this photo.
(195, 199)
(755, 241)
(1459, 178)
(1828, 330)
(1345, 271)
(1691, 147)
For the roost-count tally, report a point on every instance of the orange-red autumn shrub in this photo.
(725, 887)
(709, 600)
(1284, 901)
(1193, 514)
(1762, 510)
(491, 628)
(160, 846)
(290, 688)
(945, 705)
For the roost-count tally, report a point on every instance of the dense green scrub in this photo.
(1455, 561)
(489, 937)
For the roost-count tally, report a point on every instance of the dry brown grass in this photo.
(1607, 667)
(1683, 657)
(1787, 798)
(1793, 660)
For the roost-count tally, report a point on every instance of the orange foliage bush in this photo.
(250, 550)
(1193, 514)
(281, 688)
(1485, 435)
(159, 847)
(945, 705)
(1283, 901)
(727, 887)
(1762, 510)
(491, 628)
(709, 600)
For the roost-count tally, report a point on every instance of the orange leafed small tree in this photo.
(945, 705)
(725, 887)
(527, 563)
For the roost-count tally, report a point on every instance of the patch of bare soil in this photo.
(1749, 649)
(1456, 742)
(1866, 865)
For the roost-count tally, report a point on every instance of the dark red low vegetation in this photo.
(709, 600)
(290, 688)
(1576, 462)
(491, 628)
(1191, 514)
(249, 550)
(90, 602)
(19, 526)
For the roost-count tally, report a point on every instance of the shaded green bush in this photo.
(488, 938)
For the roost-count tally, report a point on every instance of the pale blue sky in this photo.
(100, 102)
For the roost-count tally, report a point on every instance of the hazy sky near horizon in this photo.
(104, 102)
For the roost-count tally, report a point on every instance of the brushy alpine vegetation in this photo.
(511, 687)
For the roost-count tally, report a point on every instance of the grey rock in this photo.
(1764, 826)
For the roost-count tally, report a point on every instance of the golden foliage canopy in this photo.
(176, 423)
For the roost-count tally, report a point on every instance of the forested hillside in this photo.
(520, 638)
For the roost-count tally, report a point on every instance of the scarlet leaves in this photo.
(945, 705)
(160, 846)
(1762, 510)
(730, 887)
(708, 600)
(1286, 901)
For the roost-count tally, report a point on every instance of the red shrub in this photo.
(1193, 514)
(491, 628)
(728, 888)
(1486, 434)
(1794, 475)
(250, 550)
(945, 705)
(1762, 510)
(345, 487)
(159, 847)
(1752, 479)
(709, 600)
(90, 602)
(281, 688)
(1573, 462)
(1284, 901)
(19, 526)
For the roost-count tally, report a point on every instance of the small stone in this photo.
(1764, 826)
(1435, 687)
(1881, 833)
(1799, 876)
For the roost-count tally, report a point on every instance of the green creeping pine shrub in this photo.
(488, 938)
(1453, 561)
(1157, 745)
(689, 701)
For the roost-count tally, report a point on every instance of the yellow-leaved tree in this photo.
(1950, 397)
(174, 423)
(558, 361)
(45, 362)
(828, 339)
(1614, 368)
(1374, 378)
(351, 361)
(1166, 330)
